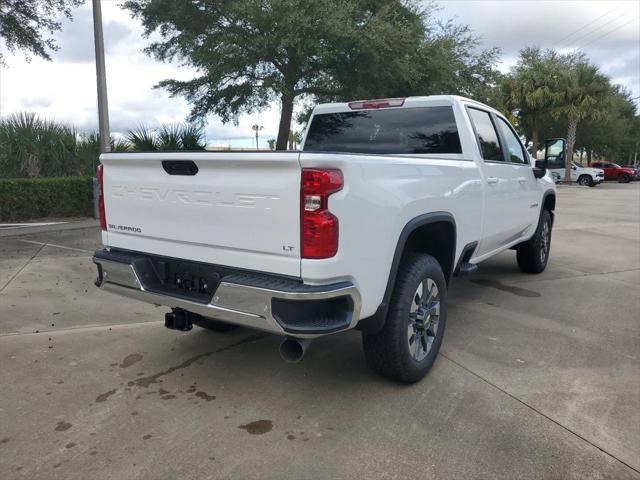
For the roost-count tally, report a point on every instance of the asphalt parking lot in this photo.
(539, 376)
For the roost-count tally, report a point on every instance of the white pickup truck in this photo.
(363, 228)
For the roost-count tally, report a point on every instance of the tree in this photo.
(249, 53)
(256, 128)
(166, 138)
(294, 139)
(272, 143)
(584, 94)
(24, 24)
(615, 135)
(530, 90)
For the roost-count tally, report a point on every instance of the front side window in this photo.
(486, 134)
(514, 148)
(419, 130)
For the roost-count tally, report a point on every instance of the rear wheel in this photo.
(407, 346)
(585, 181)
(624, 178)
(533, 254)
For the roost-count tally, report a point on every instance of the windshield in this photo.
(385, 131)
(577, 165)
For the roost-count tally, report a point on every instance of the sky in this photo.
(65, 88)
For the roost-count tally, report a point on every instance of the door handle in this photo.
(492, 180)
(522, 180)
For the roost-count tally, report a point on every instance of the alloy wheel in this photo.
(424, 316)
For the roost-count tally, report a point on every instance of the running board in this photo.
(467, 268)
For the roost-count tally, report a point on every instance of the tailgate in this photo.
(240, 209)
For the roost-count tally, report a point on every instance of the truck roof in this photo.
(407, 102)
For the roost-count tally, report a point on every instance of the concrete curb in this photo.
(68, 225)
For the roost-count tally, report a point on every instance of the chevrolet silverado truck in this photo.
(364, 227)
(584, 176)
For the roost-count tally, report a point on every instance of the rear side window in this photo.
(385, 131)
(486, 134)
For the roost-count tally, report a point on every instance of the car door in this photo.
(502, 219)
(609, 171)
(555, 162)
(526, 201)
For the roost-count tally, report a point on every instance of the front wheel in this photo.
(624, 178)
(407, 346)
(585, 181)
(533, 254)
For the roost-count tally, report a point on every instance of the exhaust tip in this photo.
(292, 350)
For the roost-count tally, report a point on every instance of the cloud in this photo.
(607, 31)
(65, 88)
(35, 102)
(76, 38)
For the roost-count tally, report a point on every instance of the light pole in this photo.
(103, 108)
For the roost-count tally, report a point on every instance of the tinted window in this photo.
(487, 136)
(385, 131)
(514, 148)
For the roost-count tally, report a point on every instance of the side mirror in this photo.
(555, 152)
(540, 169)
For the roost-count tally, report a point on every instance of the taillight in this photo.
(375, 104)
(101, 212)
(318, 226)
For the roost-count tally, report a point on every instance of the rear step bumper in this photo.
(278, 305)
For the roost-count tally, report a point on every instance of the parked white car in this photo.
(364, 228)
(585, 176)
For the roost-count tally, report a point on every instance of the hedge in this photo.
(24, 198)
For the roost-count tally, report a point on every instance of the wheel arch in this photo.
(431, 233)
(549, 201)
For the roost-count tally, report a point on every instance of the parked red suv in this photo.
(613, 171)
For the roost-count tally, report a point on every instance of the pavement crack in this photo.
(23, 267)
(106, 326)
(542, 414)
(55, 245)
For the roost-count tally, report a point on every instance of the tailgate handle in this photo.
(180, 167)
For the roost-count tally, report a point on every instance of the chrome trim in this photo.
(119, 273)
(243, 305)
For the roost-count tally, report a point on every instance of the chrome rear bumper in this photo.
(244, 300)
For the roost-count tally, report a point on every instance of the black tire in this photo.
(533, 254)
(624, 178)
(585, 181)
(388, 351)
(215, 325)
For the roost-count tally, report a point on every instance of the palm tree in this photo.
(142, 139)
(294, 139)
(272, 143)
(192, 138)
(256, 128)
(168, 137)
(531, 89)
(584, 95)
